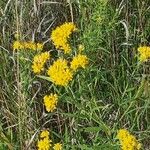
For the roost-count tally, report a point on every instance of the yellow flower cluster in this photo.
(128, 141)
(60, 73)
(57, 146)
(61, 35)
(144, 53)
(27, 45)
(45, 143)
(79, 61)
(39, 61)
(50, 102)
(44, 134)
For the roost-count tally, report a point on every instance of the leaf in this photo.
(44, 77)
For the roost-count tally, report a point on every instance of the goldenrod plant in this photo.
(74, 75)
(128, 141)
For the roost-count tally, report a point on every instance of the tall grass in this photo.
(112, 93)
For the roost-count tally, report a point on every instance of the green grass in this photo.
(113, 92)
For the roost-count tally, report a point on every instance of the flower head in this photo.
(50, 102)
(79, 61)
(17, 45)
(44, 134)
(27, 45)
(57, 146)
(39, 46)
(60, 73)
(128, 141)
(144, 53)
(44, 143)
(61, 35)
(39, 61)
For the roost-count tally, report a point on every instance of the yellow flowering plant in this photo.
(61, 35)
(45, 143)
(57, 146)
(128, 141)
(38, 62)
(79, 61)
(60, 72)
(144, 52)
(18, 45)
(44, 134)
(50, 102)
(82, 112)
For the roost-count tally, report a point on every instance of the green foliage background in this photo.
(112, 93)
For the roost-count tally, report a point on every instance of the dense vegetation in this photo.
(111, 93)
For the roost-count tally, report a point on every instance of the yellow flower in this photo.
(44, 134)
(39, 61)
(60, 73)
(44, 143)
(128, 141)
(50, 102)
(57, 146)
(27, 45)
(17, 45)
(61, 35)
(79, 61)
(144, 53)
(39, 46)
